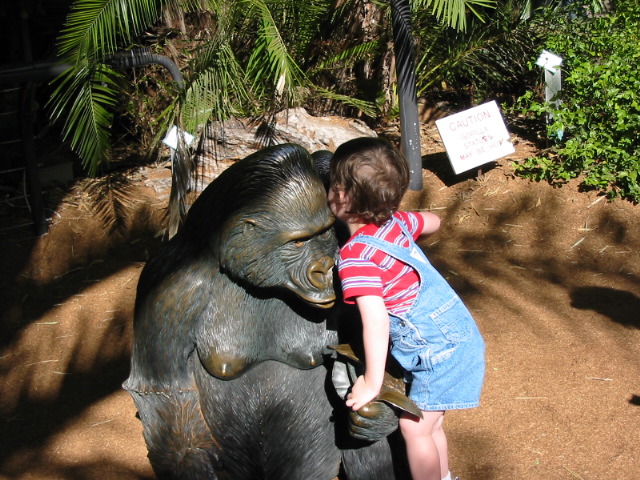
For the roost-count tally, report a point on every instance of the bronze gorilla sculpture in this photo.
(230, 367)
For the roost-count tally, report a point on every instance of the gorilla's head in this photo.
(267, 221)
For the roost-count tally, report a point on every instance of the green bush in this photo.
(598, 119)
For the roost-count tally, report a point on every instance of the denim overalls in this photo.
(436, 341)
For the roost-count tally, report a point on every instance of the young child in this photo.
(401, 297)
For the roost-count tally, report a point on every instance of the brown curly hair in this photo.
(373, 174)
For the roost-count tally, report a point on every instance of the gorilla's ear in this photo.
(248, 225)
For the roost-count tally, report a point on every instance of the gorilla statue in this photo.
(230, 370)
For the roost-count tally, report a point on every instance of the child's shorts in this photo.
(443, 375)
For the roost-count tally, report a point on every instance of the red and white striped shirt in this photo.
(365, 270)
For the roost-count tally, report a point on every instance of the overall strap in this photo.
(403, 227)
(432, 284)
(412, 255)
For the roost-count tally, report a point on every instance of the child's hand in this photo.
(361, 394)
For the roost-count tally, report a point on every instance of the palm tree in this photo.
(243, 67)
(253, 60)
(249, 61)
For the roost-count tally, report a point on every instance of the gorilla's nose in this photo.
(318, 273)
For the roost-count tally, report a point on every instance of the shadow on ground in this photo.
(551, 276)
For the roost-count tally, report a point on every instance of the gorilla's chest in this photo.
(239, 330)
(272, 422)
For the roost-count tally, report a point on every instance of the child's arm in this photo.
(375, 335)
(431, 223)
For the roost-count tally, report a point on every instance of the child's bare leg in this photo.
(426, 445)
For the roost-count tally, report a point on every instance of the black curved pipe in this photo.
(138, 57)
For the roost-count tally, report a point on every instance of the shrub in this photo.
(598, 119)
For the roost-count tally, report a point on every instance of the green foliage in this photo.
(253, 57)
(490, 56)
(86, 95)
(271, 58)
(598, 119)
(248, 61)
(94, 27)
(454, 13)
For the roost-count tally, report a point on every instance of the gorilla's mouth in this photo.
(327, 304)
(324, 299)
(316, 291)
(324, 302)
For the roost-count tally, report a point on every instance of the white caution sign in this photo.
(475, 137)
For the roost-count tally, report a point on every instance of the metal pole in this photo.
(407, 92)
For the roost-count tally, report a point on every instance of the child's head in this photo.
(373, 175)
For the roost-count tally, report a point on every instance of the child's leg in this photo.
(426, 445)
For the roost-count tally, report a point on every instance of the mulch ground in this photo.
(552, 276)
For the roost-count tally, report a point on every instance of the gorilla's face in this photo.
(288, 242)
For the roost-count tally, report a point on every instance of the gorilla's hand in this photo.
(378, 418)
(373, 422)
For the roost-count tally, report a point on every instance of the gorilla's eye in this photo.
(326, 233)
(300, 242)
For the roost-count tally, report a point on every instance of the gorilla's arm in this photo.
(166, 317)
(161, 380)
(179, 442)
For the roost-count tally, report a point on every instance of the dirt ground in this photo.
(552, 276)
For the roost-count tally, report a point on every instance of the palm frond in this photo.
(300, 23)
(183, 165)
(490, 55)
(365, 107)
(184, 6)
(86, 95)
(216, 88)
(96, 28)
(270, 67)
(349, 56)
(454, 12)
